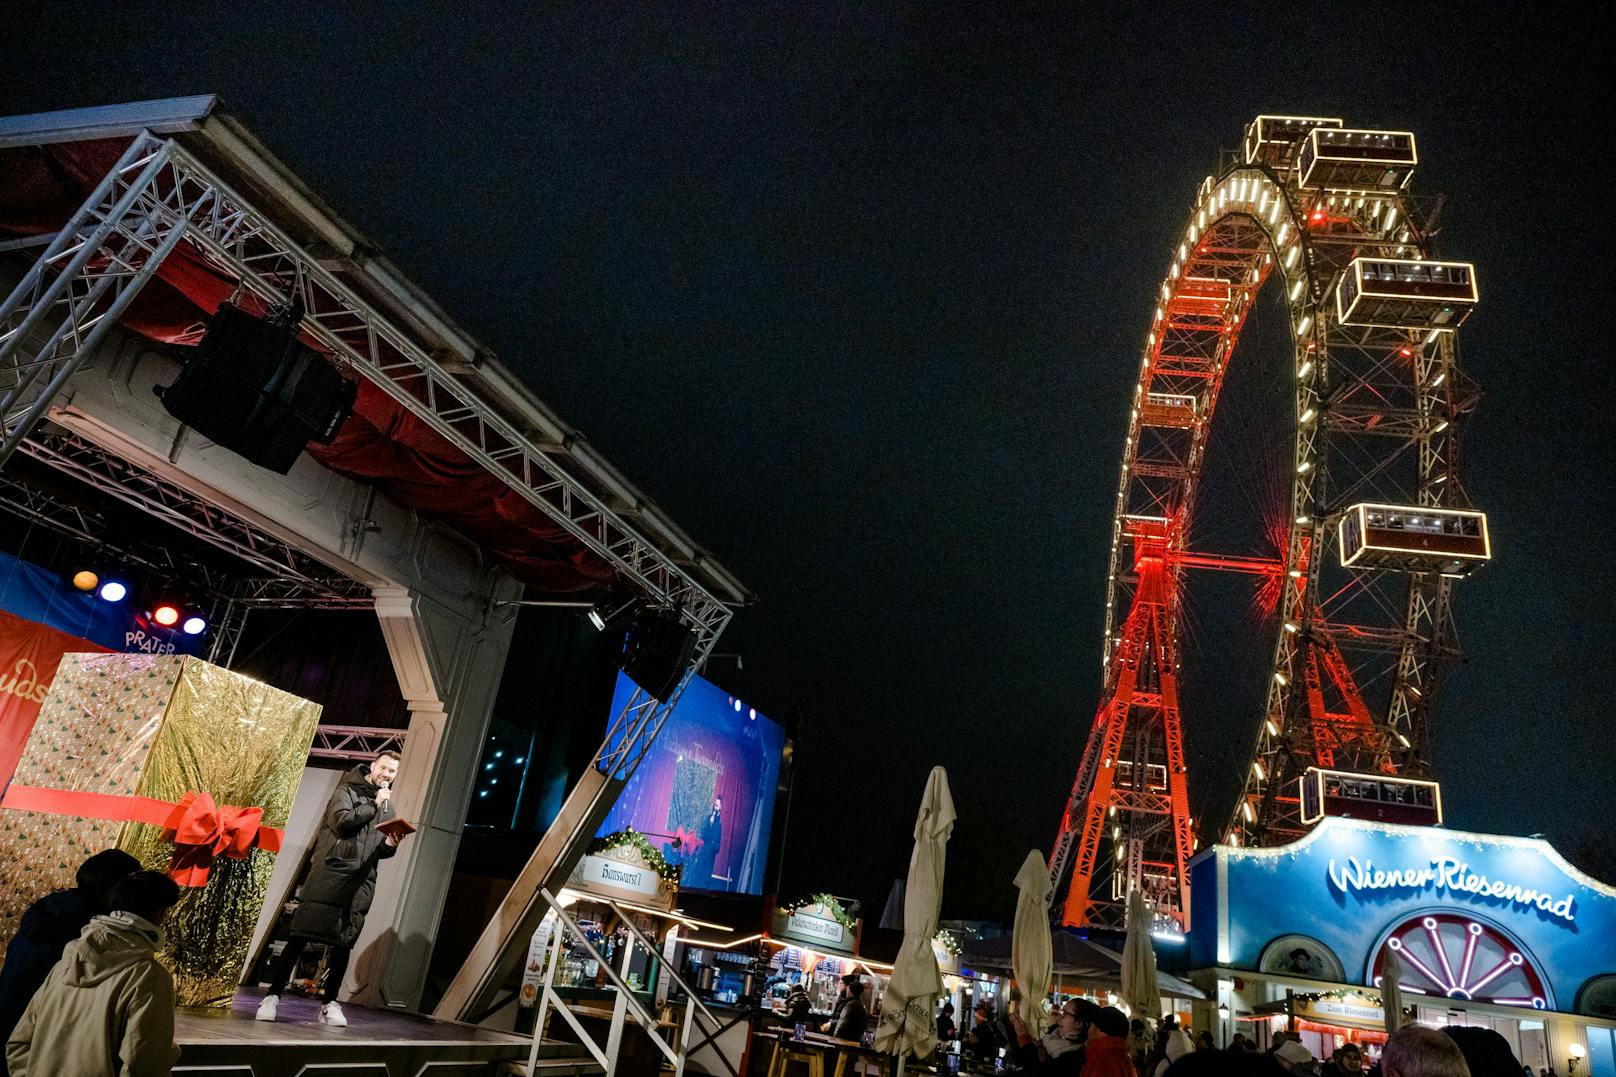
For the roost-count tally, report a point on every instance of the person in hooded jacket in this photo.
(1177, 1046)
(107, 1007)
(341, 882)
(48, 926)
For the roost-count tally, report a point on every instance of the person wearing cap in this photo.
(798, 1004)
(945, 1024)
(849, 1019)
(1107, 1048)
(1296, 1058)
(982, 1041)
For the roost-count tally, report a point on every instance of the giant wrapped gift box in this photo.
(159, 731)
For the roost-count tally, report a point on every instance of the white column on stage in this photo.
(449, 660)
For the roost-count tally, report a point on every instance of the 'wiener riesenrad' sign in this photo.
(1447, 875)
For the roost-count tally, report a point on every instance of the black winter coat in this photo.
(342, 872)
(46, 928)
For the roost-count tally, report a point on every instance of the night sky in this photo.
(859, 298)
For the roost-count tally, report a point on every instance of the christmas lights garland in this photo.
(629, 838)
(831, 905)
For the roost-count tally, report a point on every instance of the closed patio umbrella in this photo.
(1391, 991)
(1140, 989)
(907, 1023)
(1031, 952)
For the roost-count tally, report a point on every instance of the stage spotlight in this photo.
(658, 651)
(86, 580)
(166, 615)
(612, 610)
(113, 591)
(194, 625)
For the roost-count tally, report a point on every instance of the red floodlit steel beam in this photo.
(1141, 708)
(1256, 566)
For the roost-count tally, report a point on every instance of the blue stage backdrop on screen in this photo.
(705, 793)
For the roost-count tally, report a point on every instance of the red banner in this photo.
(29, 654)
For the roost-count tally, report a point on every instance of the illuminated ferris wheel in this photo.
(1379, 524)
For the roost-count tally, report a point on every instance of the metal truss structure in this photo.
(298, 579)
(158, 196)
(1356, 653)
(354, 742)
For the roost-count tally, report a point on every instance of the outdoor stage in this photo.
(229, 1043)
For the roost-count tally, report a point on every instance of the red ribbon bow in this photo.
(199, 829)
(686, 840)
(201, 832)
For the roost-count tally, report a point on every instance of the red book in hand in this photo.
(395, 828)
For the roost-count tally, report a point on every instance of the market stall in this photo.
(600, 961)
(815, 943)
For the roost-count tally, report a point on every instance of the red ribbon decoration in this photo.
(199, 829)
(686, 840)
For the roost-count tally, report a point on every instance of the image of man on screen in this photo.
(703, 869)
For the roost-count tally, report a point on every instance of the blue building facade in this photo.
(1487, 929)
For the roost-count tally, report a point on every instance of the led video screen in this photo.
(704, 795)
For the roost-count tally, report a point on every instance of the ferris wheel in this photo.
(1379, 524)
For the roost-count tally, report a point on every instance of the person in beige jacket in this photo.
(107, 1007)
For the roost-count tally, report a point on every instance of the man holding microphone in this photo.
(341, 881)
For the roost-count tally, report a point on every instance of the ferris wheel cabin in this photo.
(1178, 410)
(1398, 293)
(1356, 160)
(1273, 140)
(1381, 798)
(1453, 542)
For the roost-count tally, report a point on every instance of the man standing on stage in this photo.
(712, 836)
(341, 881)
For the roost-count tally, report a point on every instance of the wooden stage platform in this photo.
(375, 1043)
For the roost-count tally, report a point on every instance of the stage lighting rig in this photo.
(113, 591)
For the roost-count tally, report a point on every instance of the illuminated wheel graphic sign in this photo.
(1453, 956)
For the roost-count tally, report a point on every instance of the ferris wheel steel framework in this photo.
(1378, 410)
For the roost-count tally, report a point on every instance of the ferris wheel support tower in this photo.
(1379, 524)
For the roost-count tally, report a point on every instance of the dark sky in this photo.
(859, 299)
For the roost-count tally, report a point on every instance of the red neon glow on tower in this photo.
(1129, 808)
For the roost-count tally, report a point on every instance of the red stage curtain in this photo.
(29, 653)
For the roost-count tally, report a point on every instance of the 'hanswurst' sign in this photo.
(622, 873)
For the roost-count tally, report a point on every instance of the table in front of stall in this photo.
(852, 1057)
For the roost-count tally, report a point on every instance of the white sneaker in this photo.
(267, 1008)
(331, 1014)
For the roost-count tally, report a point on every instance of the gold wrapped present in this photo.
(170, 759)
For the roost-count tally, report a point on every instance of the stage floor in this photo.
(375, 1043)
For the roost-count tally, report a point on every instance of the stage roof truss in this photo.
(158, 195)
(178, 507)
(42, 508)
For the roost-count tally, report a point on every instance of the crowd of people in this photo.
(1088, 1040)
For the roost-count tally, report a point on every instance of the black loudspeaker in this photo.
(254, 388)
(657, 651)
